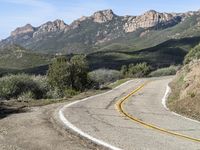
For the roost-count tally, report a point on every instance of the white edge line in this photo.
(79, 131)
(164, 100)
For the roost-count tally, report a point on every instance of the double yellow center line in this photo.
(120, 107)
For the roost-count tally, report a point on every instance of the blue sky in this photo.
(15, 13)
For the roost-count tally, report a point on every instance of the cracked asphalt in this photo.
(99, 118)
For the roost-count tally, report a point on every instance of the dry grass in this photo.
(185, 96)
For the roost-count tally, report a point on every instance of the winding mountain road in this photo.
(132, 117)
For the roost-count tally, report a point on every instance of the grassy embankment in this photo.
(185, 96)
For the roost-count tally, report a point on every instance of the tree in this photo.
(79, 72)
(58, 73)
(68, 74)
(138, 70)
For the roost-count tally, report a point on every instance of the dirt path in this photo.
(38, 129)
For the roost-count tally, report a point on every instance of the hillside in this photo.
(185, 96)
(105, 30)
(15, 58)
(171, 52)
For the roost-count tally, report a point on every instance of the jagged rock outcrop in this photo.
(57, 25)
(23, 30)
(150, 19)
(130, 23)
(103, 16)
(98, 17)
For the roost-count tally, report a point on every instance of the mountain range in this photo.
(105, 29)
(107, 40)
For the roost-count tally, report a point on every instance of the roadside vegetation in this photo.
(185, 96)
(135, 71)
(104, 76)
(171, 70)
(69, 76)
(194, 54)
(65, 79)
(23, 86)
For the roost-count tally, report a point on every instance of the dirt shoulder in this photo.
(185, 96)
(31, 125)
(38, 129)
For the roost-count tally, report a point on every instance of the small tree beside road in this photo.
(66, 73)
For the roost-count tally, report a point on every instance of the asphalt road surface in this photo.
(99, 118)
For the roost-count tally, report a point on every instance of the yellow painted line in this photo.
(120, 107)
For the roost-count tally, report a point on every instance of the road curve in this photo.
(98, 118)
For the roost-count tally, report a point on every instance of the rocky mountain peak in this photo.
(60, 24)
(150, 19)
(23, 30)
(103, 16)
(57, 25)
(156, 16)
(53, 26)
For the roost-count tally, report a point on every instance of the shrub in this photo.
(54, 94)
(70, 92)
(42, 86)
(26, 96)
(138, 70)
(164, 71)
(193, 54)
(103, 76)
(12, 86)
(68, 74)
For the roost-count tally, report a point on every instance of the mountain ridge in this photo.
(98, 17)
(88, 33)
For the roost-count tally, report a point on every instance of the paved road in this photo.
(99, 118)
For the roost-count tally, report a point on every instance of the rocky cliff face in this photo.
(130, 23)
(103, 16)
(55, 26)
(23, 30)
(150, 19)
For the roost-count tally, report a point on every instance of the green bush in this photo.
(12, 86)
(54, 94)
(70, 92)
(193, 54)
(164, 71)
(103, 76)
(138, 70)
(68, 74)
(26, 96)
